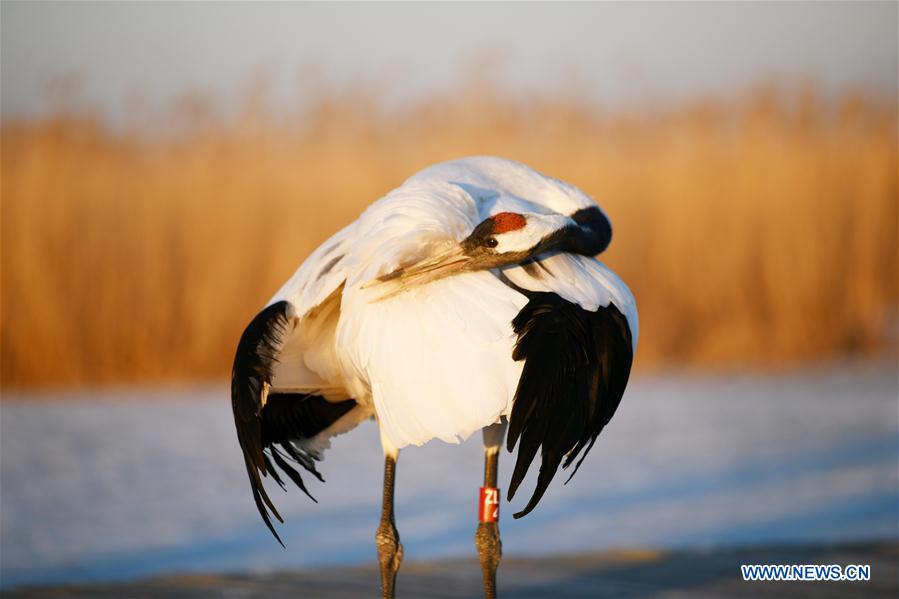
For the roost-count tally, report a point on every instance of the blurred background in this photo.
(165, 167)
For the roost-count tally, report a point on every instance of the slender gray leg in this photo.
(390, 551)
(490, 548)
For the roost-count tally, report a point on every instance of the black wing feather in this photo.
(576, 366)
(265, 431)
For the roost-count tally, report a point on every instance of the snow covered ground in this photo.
(116, 485)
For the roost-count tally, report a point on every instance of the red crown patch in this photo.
(507, 221)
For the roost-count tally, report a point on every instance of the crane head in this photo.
(502, 239)
(510, 237)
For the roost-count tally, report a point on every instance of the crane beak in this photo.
(432, 268)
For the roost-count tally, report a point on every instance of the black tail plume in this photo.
(267, 423)
(576, 366)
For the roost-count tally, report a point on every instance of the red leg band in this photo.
(488, 507)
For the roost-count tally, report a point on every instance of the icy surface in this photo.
(117, 485)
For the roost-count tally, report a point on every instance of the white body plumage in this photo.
(433, 361)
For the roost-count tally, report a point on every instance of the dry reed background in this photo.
(757, 230)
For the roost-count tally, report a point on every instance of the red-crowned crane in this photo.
(468, 298)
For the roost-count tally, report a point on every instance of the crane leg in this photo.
(390, 550)
(486, 539)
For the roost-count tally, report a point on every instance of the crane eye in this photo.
(491, 242)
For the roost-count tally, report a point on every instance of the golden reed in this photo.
(754, 231)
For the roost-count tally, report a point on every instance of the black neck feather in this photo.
(589, 236)
(592, 234)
